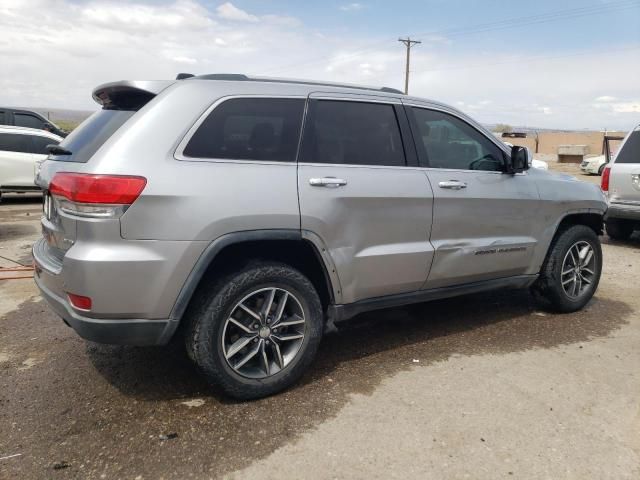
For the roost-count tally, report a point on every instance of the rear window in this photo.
(85, 140)
(250, 129)
(39, 144)
(630, 152)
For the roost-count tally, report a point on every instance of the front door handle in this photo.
(453, 185)
(331, 182)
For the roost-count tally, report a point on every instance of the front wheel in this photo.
(257, 331)
(571, 272)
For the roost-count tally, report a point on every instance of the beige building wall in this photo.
(548, 142)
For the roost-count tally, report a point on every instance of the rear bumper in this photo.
(623, 212)
(118, 290)
(114, 331)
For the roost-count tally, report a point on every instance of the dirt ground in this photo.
(485, 386)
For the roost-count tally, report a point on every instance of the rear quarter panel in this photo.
(194, 199)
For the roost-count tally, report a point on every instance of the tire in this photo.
(211, 336)
(549, 288)
(601, 169)
(619, 229)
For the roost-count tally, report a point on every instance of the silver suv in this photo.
(621, 181)
(248, 216)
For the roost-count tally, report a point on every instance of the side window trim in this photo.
(309, 113)
(423, 157)
(191, 131)
(408, 143)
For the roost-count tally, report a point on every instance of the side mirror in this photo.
(520, 159)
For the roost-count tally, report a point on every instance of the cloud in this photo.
(118, 16)
(627, 107)
(229, 11)
(97, 41)
(187, 60)
(351, 7)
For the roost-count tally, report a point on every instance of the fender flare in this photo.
(552, 230)
(216, 246)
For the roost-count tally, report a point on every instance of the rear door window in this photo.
(13, 142)
(630, 152)
(352, 133)
(250, 129)
(39, 144)
(27, 120)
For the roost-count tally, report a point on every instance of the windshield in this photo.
(85, 140)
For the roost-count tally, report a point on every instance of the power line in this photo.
(513, 22)
(408, 43)
(556, 15)
(518, 61)
(530, 59)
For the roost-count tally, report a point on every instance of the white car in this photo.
(594, 165)
(540, 164)
(21, 149)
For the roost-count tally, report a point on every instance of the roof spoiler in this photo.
(128, 95)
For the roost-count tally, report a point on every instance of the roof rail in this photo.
(223, 76)
(242, 77)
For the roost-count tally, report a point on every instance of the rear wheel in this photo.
(571, 272)
(257, 332)
(601, 169)
(619, 229)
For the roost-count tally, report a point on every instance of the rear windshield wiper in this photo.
(58, 150)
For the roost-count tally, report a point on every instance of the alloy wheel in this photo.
(578, 269)
(263, 333)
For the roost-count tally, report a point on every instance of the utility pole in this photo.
(408, 43)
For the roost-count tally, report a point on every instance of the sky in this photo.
(572, 64)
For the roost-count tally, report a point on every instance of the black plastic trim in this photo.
(341, 313)
(190, 285)
(410, 153)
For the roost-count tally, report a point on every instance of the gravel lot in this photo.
(484, 386)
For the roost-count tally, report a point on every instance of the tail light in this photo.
(606, 173)
(97, 196)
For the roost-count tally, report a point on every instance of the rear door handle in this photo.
(331, 182)
(453, 185)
